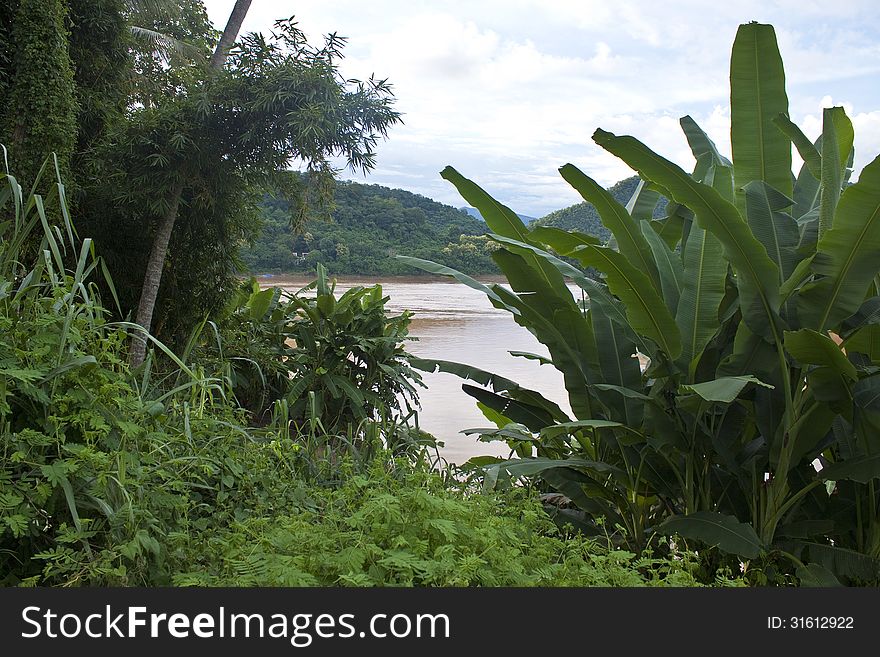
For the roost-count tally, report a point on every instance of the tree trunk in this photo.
(156, 261)
(153, 275)
(233, 25)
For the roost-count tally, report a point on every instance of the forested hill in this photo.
(583, 217)
(370, 225)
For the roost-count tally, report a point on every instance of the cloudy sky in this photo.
(507, 91)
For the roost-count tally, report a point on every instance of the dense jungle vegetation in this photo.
(368, 226)
(163, 422)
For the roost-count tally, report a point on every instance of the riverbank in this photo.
(298, 279)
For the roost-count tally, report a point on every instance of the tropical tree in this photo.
(753, 301)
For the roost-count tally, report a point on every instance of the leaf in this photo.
(259, 303)
(775, 229)
(725, 532)
(557, 322)
(645, 309)
(570, 427)
(725, 389)
(812, 348)
(700, 142)
(434, 268)
(837, 142)
(669, 267)
(541, 360)
(805, 148)
(566, 243)
(497, 383)
(502, 220)
(534, 466)
(642, 203)
(533, 417)
(757, 96)
(705, 273)
(630, 241)
(816, 576)
(618, 366)
(859, 468)
(847, 255)
(562, 241)
(757, 275)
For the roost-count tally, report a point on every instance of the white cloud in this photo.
(509, 90)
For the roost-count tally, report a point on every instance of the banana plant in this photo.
(755, 302)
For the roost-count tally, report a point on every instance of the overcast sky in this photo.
(507, 91)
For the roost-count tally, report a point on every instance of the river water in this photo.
(454, 322)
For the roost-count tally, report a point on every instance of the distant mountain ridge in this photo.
(526, 219)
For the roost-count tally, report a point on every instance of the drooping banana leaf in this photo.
(757, 275)
(497, 383)
(502, 220)
(712, 528)
(630, 240)
(669, 266)
(847, 256)
(646, 310)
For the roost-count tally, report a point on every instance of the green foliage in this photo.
(112, 479)
(312, 356)
(717, 437)
(226, 139)
(40, 108)
(369, 224)
(414, 530)
(99, 45)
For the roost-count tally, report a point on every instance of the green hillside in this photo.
(583, 217)
(370, 225)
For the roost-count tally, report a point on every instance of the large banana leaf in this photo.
(837, 143)
(619, 367)
(723, 390)
(556, 322)
(647, 313)
(642, 203)
(806, 149)
(773, 227)
(861, 469)
(669, 266)
(565, 243)
(847, 256)
(812, 348)
(434, 268)
(705, 272)
(504, 221)
(712, 528)
(757, 95)
(497, 383)
(533, 417)
(757, 275)
(562, 241)
(700, 142)
(630, 241)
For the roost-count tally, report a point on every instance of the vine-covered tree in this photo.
(39, 111)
